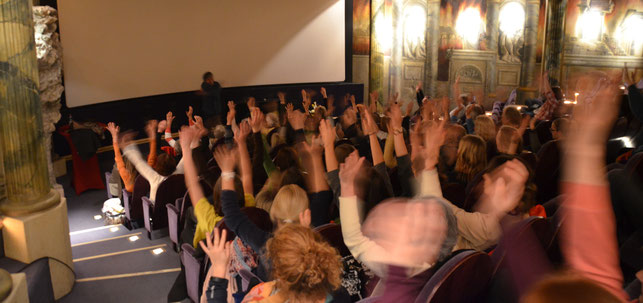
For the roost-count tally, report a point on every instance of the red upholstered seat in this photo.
(85, 174)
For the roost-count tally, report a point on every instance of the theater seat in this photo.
(155, 212)
(85, 173)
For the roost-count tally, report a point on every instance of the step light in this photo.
(98, 217)
(114, 229)
(133, 238)
(158, 251)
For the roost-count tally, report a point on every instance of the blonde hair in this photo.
(304, 265)
(472, 157)
(507, 135)
(485, 128)
(289, 202)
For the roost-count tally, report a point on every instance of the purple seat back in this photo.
(193, 269)
(127, 200)
(333, 234)
(541, 229)
(187, 202)
(168, 191)
(141, 189)
(463, 278)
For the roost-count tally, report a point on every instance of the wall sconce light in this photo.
(512, 19)
(628, 33)
(589, 26)
(414, 23)
(469, 25)
(383, 27)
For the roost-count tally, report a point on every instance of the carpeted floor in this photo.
(108, 266)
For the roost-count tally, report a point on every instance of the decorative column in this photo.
(555, 38)
(527, 89)
(492, 24)
(34, 215)
(432, 47)
(24, 158)
(395, 72)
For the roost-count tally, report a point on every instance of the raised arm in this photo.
(370, 129)
(244, 157)
(118, 158)
(195, 191)
(134, 155)
(218, 250)
(150, 129)
(360, 246)
(589, 222)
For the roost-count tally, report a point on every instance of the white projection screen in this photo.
(120, 49)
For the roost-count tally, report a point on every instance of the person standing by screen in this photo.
(211, 106)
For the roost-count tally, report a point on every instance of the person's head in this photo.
(474, 110)
(568, 288)
(294, 176)
(394, 225)
(449, 151)
(216, 194)
(208, 77)
(320, 112)
(485, 128)
(304, 266)
(289, 202)
(472, 157)
(511, 116)
(165, 164)
(285, 158)
(219, 131)
(508, 141)
(558, 128)
(272, 120)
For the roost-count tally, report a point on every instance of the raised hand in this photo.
(256, 120)
(307, 101)
(251, 103)
(368, 123)
(323, 92)
(327, 133)
(169, 117)
(226, 158)
(305, 217)
(503, 188)
(242, 133)
(150, 128)
(418, 88)
(409, 109)
(395, 113)
(189, 113)
(296, 118)
(218, 250)
(187, 135)
(232, 112)
(348, 173)
(349, 117)
(126, 139)
(353, 102)
(282, 97)
(113, 129)
(434, 138)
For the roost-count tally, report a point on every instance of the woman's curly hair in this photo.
(304, 265)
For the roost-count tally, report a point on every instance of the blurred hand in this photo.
(331, 106)
(232, 112)
(434, 138)
(218, 250)
(226, 158)
(348, 173)
(296, 119)
(256, 120)
(327, 134)
(186, 136)
(242, 133)
(282, 97)
(323, 93)
(395, 113)
(150, 128)
(125, 139)
(251, 103)
(503, 188)
(169, 117)
(353, 102)
(189, 113)
(305, 218)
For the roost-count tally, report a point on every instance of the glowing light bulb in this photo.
(512, 19)
(590, 25)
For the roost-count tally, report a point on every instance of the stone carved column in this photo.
(526, 89)
(432, 47)
(492, 24)
(555, 37)
(49, 54)
(24, 158)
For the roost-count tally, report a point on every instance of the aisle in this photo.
(112, 263)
